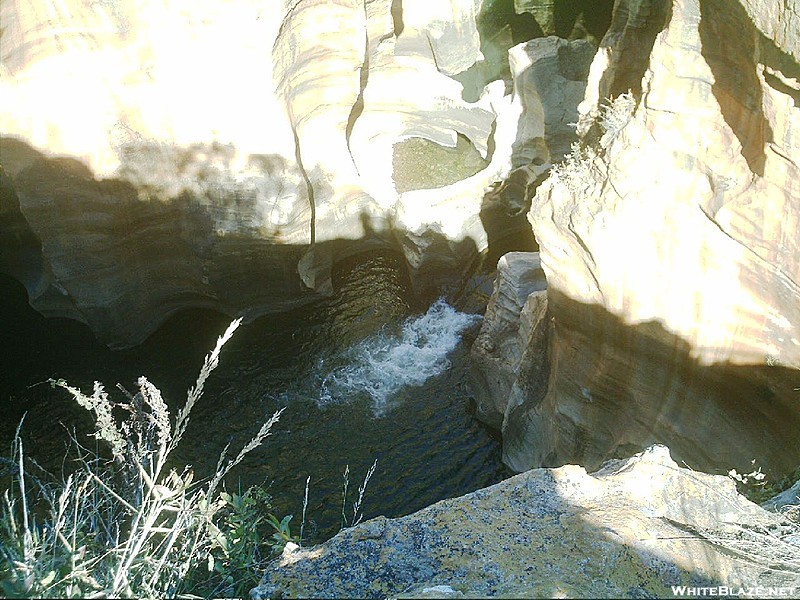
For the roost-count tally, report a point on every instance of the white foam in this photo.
(385, 363)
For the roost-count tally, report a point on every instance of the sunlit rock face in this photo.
(633, 529)
(671, 248)
(550, 80)
(227, 154)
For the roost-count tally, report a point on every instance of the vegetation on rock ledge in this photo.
(129, 526)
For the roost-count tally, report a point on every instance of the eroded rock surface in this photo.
(549, 80)
(510, 366)
(670, 246)
(227, 155)
(619, 532)
(585, 19)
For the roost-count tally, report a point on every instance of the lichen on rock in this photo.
(618, 532)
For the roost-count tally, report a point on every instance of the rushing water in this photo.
(381, 367)
(365, 375)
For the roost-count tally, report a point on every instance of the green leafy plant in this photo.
(238, 540)
(283, 533)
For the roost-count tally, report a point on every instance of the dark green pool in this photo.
(364, 375)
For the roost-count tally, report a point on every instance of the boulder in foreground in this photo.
(633, 529)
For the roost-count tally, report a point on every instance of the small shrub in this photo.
(583, 167)
(578, 171)
(757, 488)
(130, 527)
(615, 114)
(239, 543)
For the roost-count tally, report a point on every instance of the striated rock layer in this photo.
(510, 357)
(616, 533)
(227, 154)
(670, 245)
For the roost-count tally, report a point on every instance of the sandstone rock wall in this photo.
(549, 80)
(510, 365)
(616, 533)
(227, 154)
(584, 19)
(670, 246)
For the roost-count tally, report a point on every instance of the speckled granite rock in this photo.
(632, 530)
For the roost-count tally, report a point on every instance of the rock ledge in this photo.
(632, 529)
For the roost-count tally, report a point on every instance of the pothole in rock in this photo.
(420, 164)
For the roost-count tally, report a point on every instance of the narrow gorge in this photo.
(539, 259)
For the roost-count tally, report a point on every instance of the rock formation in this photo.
(670, 247)
(587, 19)
(549, 79)
(615, 533)
(506, 357)
(226, 156)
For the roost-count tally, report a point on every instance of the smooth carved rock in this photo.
(550, 77)
(213, 146)
(109, 255)
(502, 350)
(671, 249)
(510, 365)
(615, 533)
